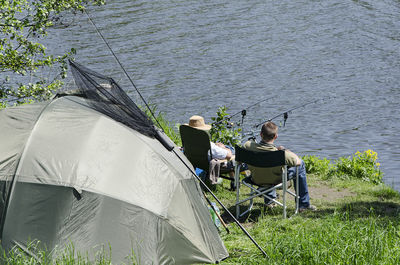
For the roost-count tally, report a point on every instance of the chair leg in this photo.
(237, 184)
(284, 190)
(250, 204)
(297, 190)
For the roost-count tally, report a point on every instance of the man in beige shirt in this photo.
(269, 133)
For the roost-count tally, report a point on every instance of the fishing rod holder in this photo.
(244, 112)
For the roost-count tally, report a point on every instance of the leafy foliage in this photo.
(316, 165)
(360, 165)
(222, 129)
(22, 24)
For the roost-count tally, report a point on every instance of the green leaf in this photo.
(21, 53)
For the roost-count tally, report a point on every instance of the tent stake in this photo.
(222, 205)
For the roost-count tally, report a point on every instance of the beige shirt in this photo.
(272, 175)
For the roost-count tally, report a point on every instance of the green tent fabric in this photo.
(71, 174)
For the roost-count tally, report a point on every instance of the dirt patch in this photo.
(323, 192)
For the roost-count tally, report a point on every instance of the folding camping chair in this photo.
(196, 147)
(259, 160)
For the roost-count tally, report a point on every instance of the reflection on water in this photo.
(189, 57)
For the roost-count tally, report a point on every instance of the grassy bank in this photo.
(357, 222)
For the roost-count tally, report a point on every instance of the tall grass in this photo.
(334, 240)
(170, 129)
(363, 229)
(34, 254)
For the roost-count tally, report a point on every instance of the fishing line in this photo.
(252, 133)
(173, 150)
(123, 69)
(243, 111)
(286, 113)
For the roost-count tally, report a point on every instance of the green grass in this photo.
(33, 254)
(170, 129)
(359, 229)
(362, 228)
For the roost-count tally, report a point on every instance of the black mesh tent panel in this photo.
(107, 97)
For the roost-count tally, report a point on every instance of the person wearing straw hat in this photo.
(218, 150)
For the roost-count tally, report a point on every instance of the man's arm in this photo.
(228, 151)
(229, 154)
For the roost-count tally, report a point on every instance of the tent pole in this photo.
(222, 205)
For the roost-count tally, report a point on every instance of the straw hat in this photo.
(198, 123)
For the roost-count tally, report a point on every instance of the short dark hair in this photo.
(268, 131)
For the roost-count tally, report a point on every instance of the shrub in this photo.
(222, 129)
(360, 165)
(316, 165)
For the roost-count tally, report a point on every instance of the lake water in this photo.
(190, 57)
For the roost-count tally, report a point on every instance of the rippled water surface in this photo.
(189, 57)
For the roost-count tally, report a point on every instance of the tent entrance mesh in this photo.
(108, 98)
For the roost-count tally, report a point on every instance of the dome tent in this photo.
(89, 168)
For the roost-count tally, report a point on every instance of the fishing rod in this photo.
(123, 69)
(223, 206)
(243, 111)
(173, 150)
(286, 113)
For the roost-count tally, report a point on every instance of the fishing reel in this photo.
(252, 138)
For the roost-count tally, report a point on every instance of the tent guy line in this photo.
(177, 155)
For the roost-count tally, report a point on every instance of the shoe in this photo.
(233, 187)
(309, 208)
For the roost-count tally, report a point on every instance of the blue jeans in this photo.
(304, 200)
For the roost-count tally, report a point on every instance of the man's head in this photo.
(198, 123)
(269, 131)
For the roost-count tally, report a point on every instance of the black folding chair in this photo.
(196, 146)
(256, 161)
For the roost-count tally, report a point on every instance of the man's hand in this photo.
(229, 154)
(281, 147)
(220, 145)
